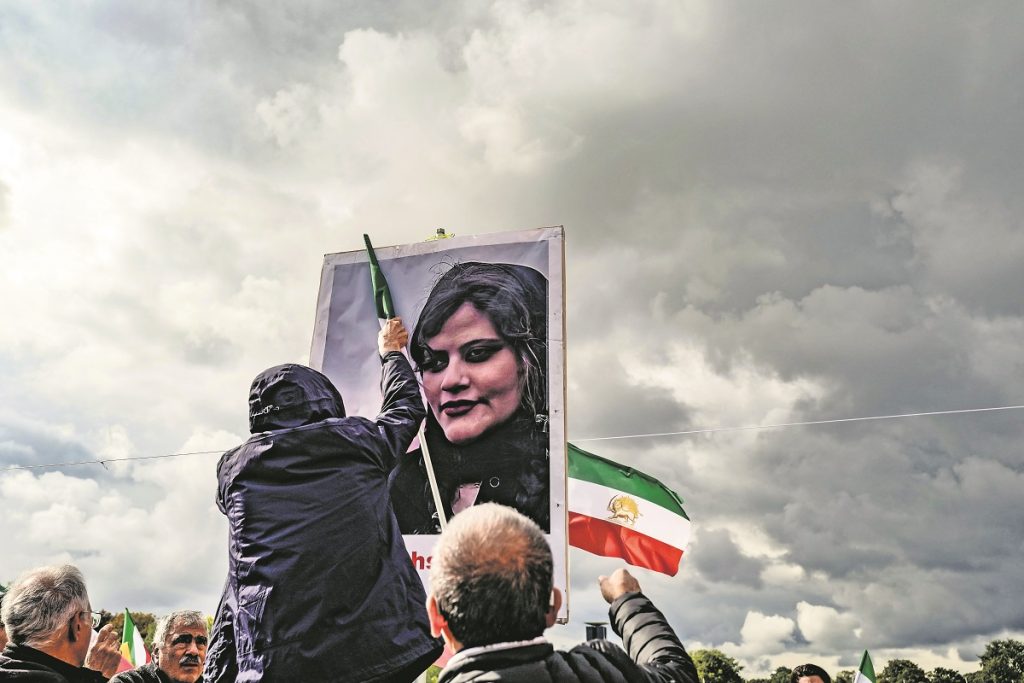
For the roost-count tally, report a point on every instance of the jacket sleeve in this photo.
(221, 663)
(401, 409)
(650, 641)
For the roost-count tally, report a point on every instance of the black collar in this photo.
(498, 657)
(30, 655)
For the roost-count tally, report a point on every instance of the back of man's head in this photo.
(41, 602)
(809, 672)
(491, 576)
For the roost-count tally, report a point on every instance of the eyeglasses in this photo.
(97, 617)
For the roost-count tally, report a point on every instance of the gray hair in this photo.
(183, 617)
(492, 576)
(40, 603)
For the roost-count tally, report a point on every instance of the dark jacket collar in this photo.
(40, 661)
(496, 657)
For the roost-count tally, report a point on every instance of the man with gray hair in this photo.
(49, 623)
(179, 651)
(492, 597)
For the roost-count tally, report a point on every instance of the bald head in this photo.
(491, 575)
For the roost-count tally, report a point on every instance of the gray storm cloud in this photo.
(773, 214)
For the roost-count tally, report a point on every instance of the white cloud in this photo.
(826, 627)
(764, 634)
(783, 574)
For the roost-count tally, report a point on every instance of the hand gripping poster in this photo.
(485, 319)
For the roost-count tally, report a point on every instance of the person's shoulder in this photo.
(19, 668)
(143, 674)
(593, 662)
(29, 672)
(605, 657)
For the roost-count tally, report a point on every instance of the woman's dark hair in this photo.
(514, 299)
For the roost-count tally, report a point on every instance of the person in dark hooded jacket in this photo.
(320, 586)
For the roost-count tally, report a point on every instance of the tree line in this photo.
(1001, 662)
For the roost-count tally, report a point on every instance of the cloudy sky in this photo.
(774, 213)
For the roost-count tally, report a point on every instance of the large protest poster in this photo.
(485, 317)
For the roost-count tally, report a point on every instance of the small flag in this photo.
(617, 511)
(866, 673)
(381, 293)
(133, 649)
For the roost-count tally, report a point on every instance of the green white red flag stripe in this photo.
(866, 673)
(617, 511)
(133, 649)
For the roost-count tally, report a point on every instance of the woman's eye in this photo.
(479, 354)
(433, 364)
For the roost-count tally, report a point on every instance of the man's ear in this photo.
(437, 622)
(75, 628)
(556, 604)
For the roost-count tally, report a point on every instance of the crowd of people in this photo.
(491, 599)
(320, 586)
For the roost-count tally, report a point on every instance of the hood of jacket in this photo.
(291, 395)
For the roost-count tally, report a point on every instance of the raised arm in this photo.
(402, 407)
(646, 635)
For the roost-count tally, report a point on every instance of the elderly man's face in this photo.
(183, 653)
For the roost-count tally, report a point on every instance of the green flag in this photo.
(381, 293)
(866, 673)
(133, 649)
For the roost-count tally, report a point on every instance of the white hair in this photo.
(41, 602)
(184, 617)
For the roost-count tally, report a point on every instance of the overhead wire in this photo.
(711, 430)
(714, 430)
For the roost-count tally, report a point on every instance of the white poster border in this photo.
(420, 546)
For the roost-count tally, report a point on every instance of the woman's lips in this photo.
(457, 408)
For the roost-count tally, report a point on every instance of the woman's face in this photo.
(470, 376)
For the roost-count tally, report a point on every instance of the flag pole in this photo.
(385, 310)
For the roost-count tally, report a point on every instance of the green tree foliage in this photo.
(144, 621)
(844, 676)
(1002, 662)
(781, 675)
(941, 675)
(902, 671)
(714, 666)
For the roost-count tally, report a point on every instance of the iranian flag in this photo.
(866, 673)
(133, 650)
(617, 511)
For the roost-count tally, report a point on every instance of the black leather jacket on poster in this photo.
(655, 655)
(319, 585)
(510, 464)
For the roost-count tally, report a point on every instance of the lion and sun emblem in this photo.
(624, 510)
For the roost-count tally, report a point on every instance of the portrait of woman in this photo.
(480, 346)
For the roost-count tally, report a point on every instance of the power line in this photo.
(711, 430)
(714, 430)
(104, 461)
